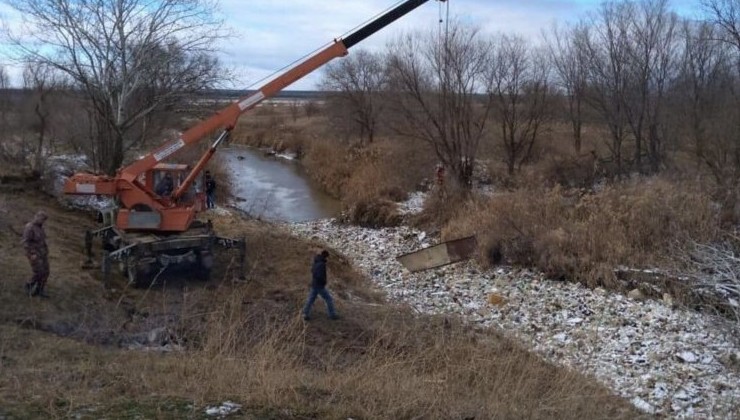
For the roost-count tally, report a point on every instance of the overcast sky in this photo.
(270, 34)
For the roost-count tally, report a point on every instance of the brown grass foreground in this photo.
(243, 341)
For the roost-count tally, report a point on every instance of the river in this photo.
(274, 188)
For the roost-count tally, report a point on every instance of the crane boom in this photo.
(131, 192)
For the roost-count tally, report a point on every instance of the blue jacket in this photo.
(318, 272)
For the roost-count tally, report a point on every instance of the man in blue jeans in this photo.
(318, 287)
(210, 190)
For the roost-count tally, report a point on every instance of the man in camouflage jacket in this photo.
(37, 252)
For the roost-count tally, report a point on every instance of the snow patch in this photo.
(223, 410)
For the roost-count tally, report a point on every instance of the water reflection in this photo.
(273, 188)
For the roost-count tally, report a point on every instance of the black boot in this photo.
(42, 293)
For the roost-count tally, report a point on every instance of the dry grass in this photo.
(245, 342)
(583, 236)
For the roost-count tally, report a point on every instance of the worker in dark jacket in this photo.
(37, 252)
(165, 186)
(210, 191)
(318, 287)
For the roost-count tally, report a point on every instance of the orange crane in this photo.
(148, 232)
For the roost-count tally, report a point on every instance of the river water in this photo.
(274, 188)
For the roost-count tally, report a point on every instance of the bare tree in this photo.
(358, 82)
(130, 58)
(570, 64)
(726, 15)
(606, 48)
(520, 91)
(442, 85)
(39, 83)
(652, 62)
(706, 74)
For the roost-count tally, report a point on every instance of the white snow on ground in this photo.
(286, 156)
(414, 204)
(223, 410)
(667, 361)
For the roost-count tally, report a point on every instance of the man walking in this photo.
(210, 191)
(318, 287)
(37, 252)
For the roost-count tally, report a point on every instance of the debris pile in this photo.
(666, 361)
(56, 172)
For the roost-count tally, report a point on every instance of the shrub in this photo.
(442, 207)
(583, 235)
(373, 213)
(327, 163)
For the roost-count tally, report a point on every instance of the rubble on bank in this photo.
(56, 172)
(665, 360)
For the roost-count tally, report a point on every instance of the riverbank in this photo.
(183, 347)
(665, 360)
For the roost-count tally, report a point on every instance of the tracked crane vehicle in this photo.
(149, 231)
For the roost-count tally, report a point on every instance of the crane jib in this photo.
(381, 22)
(172, 213)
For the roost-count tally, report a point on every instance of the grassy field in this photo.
(78, 354)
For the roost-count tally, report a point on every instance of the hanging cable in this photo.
(447, 22)
(444, 35)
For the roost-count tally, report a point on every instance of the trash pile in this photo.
(665, 360)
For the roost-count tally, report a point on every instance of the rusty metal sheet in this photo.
(439, 255)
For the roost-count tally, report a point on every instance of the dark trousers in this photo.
(40, 268)
(210, 202)
(316, 291)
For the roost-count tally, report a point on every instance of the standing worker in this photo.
(318, 287)
(37, 252)
(210, 191)
(440, 178)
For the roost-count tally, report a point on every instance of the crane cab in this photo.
(169, 216)
(164, 178)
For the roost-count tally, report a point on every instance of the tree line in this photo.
(105, 76)
(658, 88)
